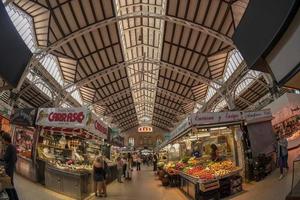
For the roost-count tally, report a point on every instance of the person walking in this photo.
(138, 163)
(155, 160)
(282, 155)
(124, 166)
(120, 169)
(99, 177)
(129, 167)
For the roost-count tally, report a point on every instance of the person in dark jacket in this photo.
(10, 157)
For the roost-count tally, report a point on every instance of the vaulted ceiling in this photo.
(138, 61)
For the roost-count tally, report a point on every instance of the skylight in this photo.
(142, 41)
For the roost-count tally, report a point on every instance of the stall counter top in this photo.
(24, 158)
(197, 180)
(68, 171)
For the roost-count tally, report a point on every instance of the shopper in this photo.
(129, 167)
(282, 155)
(155, 160)
(10, 156)
(10, 159)
(99, 176)
(120, 169)
(138, 163)
(124, 166)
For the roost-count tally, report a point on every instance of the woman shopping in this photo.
(99, 177)
(282, 154)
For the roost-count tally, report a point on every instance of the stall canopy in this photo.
(74, 118)
(216, 118)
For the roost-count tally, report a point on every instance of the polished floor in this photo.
(145, 186)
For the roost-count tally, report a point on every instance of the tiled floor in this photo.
(145, 186)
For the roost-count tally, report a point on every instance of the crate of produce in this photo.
(209, 185)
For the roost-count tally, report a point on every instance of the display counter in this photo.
(77, 185)
(221, 186)
(72, 183)
(189, 185)
(25, 167)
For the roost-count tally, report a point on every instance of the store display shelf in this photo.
(55, 147)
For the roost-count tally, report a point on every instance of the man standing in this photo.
(282, 155)
(120, 169)
(10, 157)
(155, 160)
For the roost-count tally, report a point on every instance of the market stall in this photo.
(286, 121)
(207, 152)
(5, 112)
(24, 138)
(69, 141)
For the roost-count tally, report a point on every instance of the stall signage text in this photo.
(66, 117)
(100, 127)
(145, 129)
(96, 126)
(248, 116)
(62, 117)
(212, 118)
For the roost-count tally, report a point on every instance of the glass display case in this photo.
(24, 138)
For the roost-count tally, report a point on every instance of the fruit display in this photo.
(180, 166)
(160, 164)
(222, 172)
(194, 170)
(193, 161)
(204, 175)
(170, 168)
(222, 168)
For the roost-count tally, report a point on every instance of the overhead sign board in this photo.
(75, 118)
(215, 117)
(23, 117)
(145, 129)
(96, 126)
(63, 117)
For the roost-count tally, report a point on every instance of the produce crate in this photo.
(209, 185)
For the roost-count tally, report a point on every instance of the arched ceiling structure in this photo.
(139, 61)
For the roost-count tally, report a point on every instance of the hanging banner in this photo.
(96, 126)
(23, 117)
(5, 109)
(63, 117)
(215, 118)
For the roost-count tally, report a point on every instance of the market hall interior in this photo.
(149, 99)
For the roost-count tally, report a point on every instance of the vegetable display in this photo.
(196, 168)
